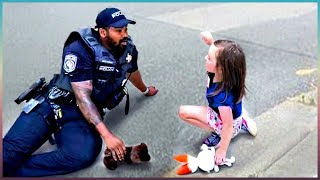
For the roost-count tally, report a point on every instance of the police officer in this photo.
(96, 65)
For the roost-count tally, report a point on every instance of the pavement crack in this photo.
(280, 156)
(308, 99)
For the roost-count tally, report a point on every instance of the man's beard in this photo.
(117, 49)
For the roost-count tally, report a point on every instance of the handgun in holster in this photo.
(33, 91)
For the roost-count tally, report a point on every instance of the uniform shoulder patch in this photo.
(70, 62)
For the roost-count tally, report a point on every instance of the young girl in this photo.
(224, 117)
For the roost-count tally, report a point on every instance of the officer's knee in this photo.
(81, 160)
(87, 160)
(83, 157)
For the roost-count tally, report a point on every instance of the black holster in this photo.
(36, 89)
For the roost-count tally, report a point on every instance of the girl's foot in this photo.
(213, 140)
(249, 125)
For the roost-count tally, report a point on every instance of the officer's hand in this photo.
(116, 147)
(152, 91)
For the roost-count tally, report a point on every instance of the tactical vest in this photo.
(108, 74)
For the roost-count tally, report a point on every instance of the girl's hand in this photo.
(220, 156)
(207, 37)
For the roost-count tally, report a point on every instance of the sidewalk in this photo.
(286, 144)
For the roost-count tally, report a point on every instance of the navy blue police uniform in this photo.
(78, 143)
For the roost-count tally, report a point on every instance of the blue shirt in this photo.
(223, 98)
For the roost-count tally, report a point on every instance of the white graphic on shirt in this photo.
(208, 81)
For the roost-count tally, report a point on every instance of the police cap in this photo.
(112, 17)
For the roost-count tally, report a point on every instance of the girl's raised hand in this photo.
(207, 37)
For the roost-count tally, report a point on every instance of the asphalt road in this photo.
(171, 57)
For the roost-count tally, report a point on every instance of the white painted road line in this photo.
(218, 17)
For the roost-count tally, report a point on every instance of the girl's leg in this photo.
(195, 115)
(248, 124)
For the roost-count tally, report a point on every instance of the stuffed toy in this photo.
(134, 154)
(204, 161)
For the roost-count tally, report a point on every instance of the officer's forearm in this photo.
(89, 110)
(82, 91)
(92, 115)
(136, 80)
(103, 130)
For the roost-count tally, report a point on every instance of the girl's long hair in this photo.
(231, 59)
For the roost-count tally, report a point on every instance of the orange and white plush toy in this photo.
(204, 161)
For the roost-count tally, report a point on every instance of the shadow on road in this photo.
(115, 116)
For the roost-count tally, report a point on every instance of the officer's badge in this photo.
(70, 62)
(128, 58)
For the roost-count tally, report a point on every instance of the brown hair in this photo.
(231, 59)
